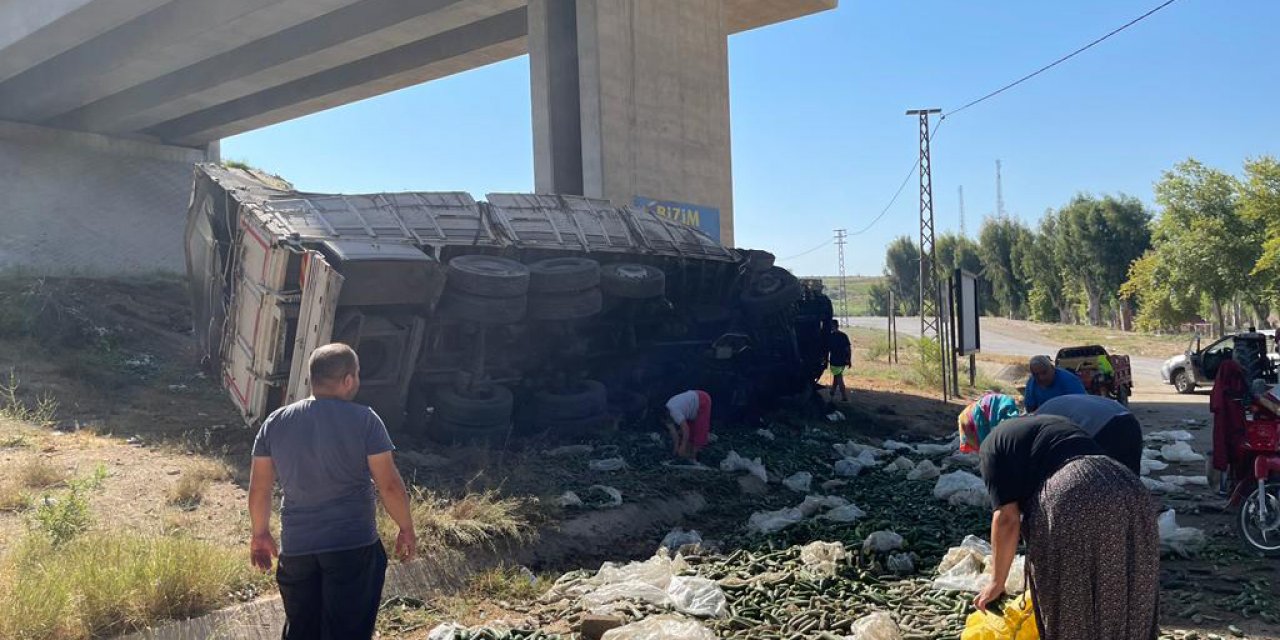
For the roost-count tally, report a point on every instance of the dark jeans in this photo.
(1121, 440)
(332, 596)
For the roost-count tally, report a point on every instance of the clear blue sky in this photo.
(819, 136)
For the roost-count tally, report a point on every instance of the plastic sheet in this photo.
(660, 628)
(1169, 436)
(569, 499)
(900, 465)
(926, 470)
(876, 626)
(882, 541)
(678, 537)
(813, 504)
(446, 631)
(1180, 452)
(1156, 486)
(798, 482)
(934, 450)
(1183, 481)
(846, 513)
(735, 462)
(1149, 465)
(612, 497)
(1184, 541)
(848, 468)
(823, 558)
(766, 522)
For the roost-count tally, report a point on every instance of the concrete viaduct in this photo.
(104, 104)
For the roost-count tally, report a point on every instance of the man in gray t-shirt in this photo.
(328, 454)
(1108, 422)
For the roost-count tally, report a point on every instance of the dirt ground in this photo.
(118, 358)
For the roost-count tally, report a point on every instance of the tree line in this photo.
(1210, 250)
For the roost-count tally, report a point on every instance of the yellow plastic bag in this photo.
(1017, 623)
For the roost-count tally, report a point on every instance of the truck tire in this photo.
(770, 292)
(560, 275)
(582, 399)
(457, 305)
(449, 432)
(488, 276)
(634, 281)
(758, 261)
(485, 407)
(1184, 381)
(565, 306)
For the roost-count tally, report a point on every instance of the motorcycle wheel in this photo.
(1259, 529)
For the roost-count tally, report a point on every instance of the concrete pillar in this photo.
(652, 101)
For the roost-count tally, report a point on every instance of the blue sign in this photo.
(705, 219)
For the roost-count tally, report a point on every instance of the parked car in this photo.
(1199, 364)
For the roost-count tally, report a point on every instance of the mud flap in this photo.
(321, 286)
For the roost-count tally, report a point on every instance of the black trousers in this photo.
(1121, 440)
(332, 596)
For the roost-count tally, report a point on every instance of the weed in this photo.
(926, 363)
(878, 348)
(63, 518)
(189, 491)
(38, 473)
(107, 583)
(15, 442)
(13, 498)
(506, 583)
(482, 519)
(14, 408)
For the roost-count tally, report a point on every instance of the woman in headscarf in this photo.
(1093, 556)
(978, 419)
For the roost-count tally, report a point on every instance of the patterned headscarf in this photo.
(978, 419)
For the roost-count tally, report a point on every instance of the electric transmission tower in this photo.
(930, 294)
(841, 234)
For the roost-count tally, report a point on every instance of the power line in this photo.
(805, 253)
(910, 174)
(1059, 60)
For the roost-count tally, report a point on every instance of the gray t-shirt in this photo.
(1090, 413)
(683, 407)
(320, 450)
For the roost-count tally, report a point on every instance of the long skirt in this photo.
(1093, 554)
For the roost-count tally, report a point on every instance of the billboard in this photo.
(705, 219)
(968, 336)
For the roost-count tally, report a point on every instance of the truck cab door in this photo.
(321, 286)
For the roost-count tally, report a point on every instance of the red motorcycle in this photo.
(1258, 495)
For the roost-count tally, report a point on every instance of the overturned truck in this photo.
(480, 320)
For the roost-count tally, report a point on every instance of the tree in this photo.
(1260, 206)
(1096, 240)
(902, 268)
(1002, 243)
(1161, 303)
(956, 252)
(878, 299)
(1048, 300)
(1202, 237)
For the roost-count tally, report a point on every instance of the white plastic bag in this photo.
(1180, 452)
(877, 626)
(961, 487)
(823, 558)
(965, 575)
(767, 522)
(1169, 436)
(798, 482)
(445, 631)
(1156, 486)
(899, 465)
(608, 464)
(813, 504)
(972, 547)
(1149, 465)
(1150, 454)
(846, 513)
(569, 499)
(697, 596)
(1184, 541)
(735, 462)
(934, 450)
(614, 496)
(765, 433)
(926, 470)
(660, 628)
(901, 563)
(882, 541)
(1182, 481)
(894, 445)
(848, 468)
(678, 537)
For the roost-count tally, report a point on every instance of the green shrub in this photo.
(926, 363)
(878, 348)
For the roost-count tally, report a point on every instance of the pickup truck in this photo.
(1199, 365)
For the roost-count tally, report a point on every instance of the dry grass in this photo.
(107, 583)
(189, 490)
(481, 519)
(39, 473)
(13, 497)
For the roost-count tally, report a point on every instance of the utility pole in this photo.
(999, 192)
(962, 233)
(930, 302)
(841, 234)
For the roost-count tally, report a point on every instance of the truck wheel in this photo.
(565, 306)
(559, 275)
(449, 432)
(482, 309)
(488, 276)
(771, 292)
(757, 261)
(484, 407)
(582, 399)
(635, 281)
(1183, 381)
